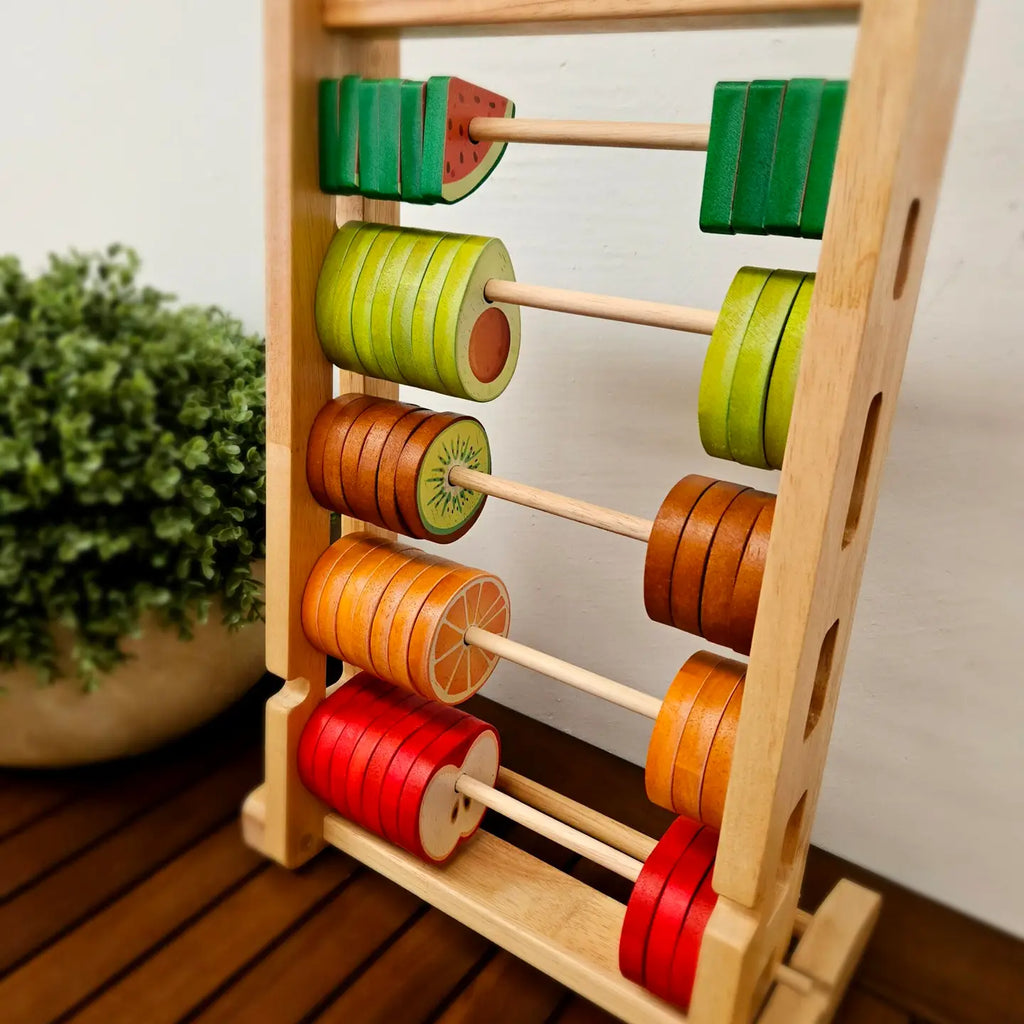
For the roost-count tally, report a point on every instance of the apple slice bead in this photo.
(422, 752)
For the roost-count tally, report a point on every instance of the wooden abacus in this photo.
(895, 131)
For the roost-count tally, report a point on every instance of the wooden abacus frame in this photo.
(902, 96)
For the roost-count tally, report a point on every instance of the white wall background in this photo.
(142, 123)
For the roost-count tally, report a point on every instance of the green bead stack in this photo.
(750, 370)
(408, 306)
(771, 155)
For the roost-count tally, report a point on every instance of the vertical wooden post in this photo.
(896, 131)
(300, 221)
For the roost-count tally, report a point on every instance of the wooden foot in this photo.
(828, 953)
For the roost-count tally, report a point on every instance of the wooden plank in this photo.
(940, 964)
(898, 119)
(288, 984)
(506, 991)
(579, 1011)
(77, 965)
(124, 857)
(534, 911)
(25, 797)
(828, 952)
(191, 967)
(406, 983)
(121, 796)
(862, 1008)
(300, 221)
(384, 14)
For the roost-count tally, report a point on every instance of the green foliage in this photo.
(132, 461)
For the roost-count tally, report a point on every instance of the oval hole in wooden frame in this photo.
(860, 479)
(907, 250)
(791, 837)
(822, 677)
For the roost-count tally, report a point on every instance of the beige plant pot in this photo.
(168, 688)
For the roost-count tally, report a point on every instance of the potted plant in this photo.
(131, 511)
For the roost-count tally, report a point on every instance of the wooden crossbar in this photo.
(386, 14)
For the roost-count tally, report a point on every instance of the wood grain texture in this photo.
(188, 969)
(924, 960)
(107, 943)
(521, 903)
(379, 14)
(899, 113)
(616, 134)
(339, 940)
(936, 962)
(300, 222)
(82, 884)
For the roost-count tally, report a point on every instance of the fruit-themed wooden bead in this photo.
(647, 892)
(392, 610)
(748, 395)
(699, 711)
(664, 543)
(357, 754)
(409, 306)
(663, 897)
(396, 139)
(391, 466)
(692, 555)
(663, 748)
(723, 563)
(720, 359)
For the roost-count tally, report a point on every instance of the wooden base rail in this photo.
(390, 14)
(523, 904)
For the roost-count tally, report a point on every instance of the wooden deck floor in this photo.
(126, 895)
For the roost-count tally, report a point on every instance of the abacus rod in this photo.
(586, 846)
(623, 838)
(801, 922)
(565, 672)
(549, 827)
(557, 504)
(605, 307)
(616, 134)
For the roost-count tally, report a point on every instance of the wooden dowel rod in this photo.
(551, 828)
(565, 672)
(585, 845)
(794, 979)
(617, 134)
(623, 838)
(605, 307)
(558, 505)
(801, 922)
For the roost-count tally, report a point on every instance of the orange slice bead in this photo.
(699, 734)
(669, 725)
(441, 664)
